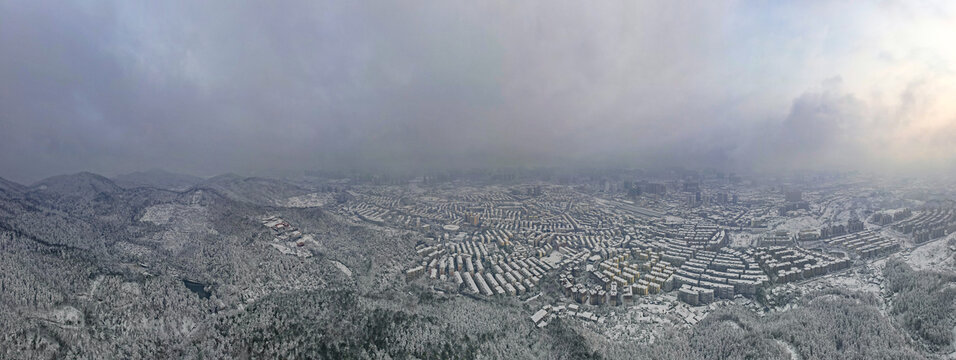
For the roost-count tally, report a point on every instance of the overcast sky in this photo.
(231, 86)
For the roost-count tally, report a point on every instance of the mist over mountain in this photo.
(316, 267)
(84, 184)
(157, 178)
(423, 179)
(252, 189)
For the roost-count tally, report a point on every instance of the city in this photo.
(538, 179)
(609, 244)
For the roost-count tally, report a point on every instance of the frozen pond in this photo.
(198, 288)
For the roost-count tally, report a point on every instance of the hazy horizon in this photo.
(315, 179)
(246, 87)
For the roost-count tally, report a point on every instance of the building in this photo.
(691, 186)
(689, 296)
(722, 198)
(793, 196)
(854, 225)
(473, 219)
(653, 188)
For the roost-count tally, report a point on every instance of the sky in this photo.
(210, 87)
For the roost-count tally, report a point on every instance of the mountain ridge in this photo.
(157, 178)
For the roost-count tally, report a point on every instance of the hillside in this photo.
(157, 178)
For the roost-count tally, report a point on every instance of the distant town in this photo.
(685, 244)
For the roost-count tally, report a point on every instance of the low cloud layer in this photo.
(208, 88)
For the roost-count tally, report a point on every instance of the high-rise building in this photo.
(854, 225)
(473, 219)
(653, 188)
(691, 186)
(722, 198)
(691, 200)
(794, 196)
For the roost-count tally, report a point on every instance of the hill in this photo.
(157, 178)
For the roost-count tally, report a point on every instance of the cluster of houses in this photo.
(548, 313)
(500, 243)
(287, 238)
(865, 244)
(622, 275)
(789, 264)
(479, 267)
(929, 224)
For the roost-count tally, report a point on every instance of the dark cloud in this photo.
(821, 131)
(239, 86)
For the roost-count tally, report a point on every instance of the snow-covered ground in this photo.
(671, 219)
(794, 225)
(790, 349)
(167, 213)
(308, 200)
(934, 255)
(184, 224)
(639, 323)
(743, 239)
(554, 258)
(852, 282)
(136, 250)
(66, 317)
(649, 316)
(345, 269)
